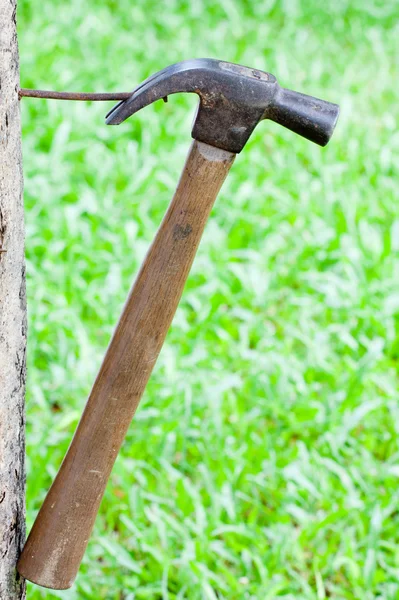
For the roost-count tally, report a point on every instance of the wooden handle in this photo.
(59, 536)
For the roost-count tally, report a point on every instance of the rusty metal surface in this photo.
(82, 96)
(233, 99)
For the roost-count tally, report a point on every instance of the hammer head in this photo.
(233, 99)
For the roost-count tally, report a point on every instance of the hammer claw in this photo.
(233, 99)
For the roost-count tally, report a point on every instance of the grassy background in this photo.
(264, 460)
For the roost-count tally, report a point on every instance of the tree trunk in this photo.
(12, 313)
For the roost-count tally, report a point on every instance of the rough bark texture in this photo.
(12, 313)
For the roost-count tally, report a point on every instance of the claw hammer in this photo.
(233, 99)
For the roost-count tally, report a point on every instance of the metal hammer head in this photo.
(233, 99)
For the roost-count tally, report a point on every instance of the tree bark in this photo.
(12, 313)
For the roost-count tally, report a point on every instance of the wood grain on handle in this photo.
(59, 536)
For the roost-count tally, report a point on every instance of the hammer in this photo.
(233, 99)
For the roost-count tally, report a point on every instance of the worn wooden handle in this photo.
(59, 536)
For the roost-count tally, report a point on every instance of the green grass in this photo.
(263, 462)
